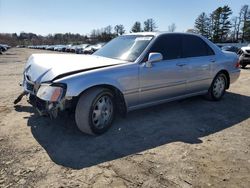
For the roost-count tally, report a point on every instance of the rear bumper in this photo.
(234, 75)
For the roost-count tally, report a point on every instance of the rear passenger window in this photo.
(193, 46)
(168, 45)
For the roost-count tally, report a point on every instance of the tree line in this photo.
(97, 35)
(222, 26)
(26, 39)
(218, 26)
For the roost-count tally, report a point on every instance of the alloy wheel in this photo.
(102, 112)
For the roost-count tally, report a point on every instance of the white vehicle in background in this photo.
(93, 48)
(244, 56)
(79, 49)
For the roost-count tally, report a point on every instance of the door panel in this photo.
(199, 73)
(163, 80)
(201, 58)
(167, 78)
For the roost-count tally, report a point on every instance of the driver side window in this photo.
(168, 45)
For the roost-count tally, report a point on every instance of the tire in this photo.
(218, 87)
(95, 111)
(243, 66)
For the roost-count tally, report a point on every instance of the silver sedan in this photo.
(130, 72)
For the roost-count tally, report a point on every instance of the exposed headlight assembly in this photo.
(51, 92)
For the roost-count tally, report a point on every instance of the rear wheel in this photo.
(218, 87)
(95, 111)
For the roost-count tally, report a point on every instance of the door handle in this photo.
(212, 60)
(181, 64)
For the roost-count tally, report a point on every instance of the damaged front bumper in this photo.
(47, 98)
(47, 107)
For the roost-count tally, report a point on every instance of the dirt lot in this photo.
(189, 143)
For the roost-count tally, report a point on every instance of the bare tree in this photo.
(172, 27)
(245, 20)
(235, 28)
(149, 25)
(108, 29)
(119, 29)
(241, 20)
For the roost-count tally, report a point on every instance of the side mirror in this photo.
(152, 58)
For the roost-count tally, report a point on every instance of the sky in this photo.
(81, 16)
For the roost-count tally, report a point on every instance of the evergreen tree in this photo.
(202, 24)
(136, 27)
(225, 22)
(216, 26)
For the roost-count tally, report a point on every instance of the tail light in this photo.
(237, 65)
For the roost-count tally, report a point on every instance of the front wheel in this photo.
(95, 111)
(218, 87)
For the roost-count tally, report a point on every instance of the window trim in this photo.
(181, 35)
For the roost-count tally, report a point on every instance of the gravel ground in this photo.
(188, 143)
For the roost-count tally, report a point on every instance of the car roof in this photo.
(161, 33)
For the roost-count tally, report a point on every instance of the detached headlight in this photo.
(51, 92)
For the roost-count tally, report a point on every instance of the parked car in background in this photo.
(6, 46)
(21, 46)
(130, 72)
(50, 47)
(68, 47)
(73, 48)
(234, 49)
(44, 47)
(3, 48)
(59, 48)
(64, 47)
(93, 48)
(244, 56)
(79, 49)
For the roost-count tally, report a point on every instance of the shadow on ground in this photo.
(186, 121)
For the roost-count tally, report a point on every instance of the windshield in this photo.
(127, 48)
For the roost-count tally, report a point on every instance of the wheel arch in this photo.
(225, 72)
(119, 97)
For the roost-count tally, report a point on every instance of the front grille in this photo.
(29, 86)
(248, 51)
(37, 103)
(246, 55)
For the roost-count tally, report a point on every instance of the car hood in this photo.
(46, 67)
